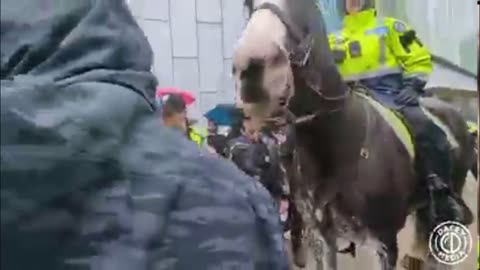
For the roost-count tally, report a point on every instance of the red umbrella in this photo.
(188, 97)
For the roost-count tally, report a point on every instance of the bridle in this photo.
(299, 49)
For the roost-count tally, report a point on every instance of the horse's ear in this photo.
(249, 5)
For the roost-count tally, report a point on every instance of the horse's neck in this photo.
(322, 62)
(334, 138)
(337, 130)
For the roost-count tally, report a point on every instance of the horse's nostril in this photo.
(282, 101)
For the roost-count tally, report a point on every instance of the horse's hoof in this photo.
(411, 263)
(300, 256)
(351, 249)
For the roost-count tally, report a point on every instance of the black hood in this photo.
(75, 76)
(72, 41)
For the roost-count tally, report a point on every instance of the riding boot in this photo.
(433, 153)
(444, 204)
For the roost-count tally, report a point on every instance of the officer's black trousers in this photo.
(432, 146)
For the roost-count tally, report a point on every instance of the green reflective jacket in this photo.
(195, 134)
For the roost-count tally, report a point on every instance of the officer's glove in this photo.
(411, 92)
(407, 96)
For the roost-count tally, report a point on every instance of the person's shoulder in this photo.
(205, 198)
(238, 140)
(395, 24)
(221, 202)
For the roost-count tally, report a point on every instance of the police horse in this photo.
(351, 174)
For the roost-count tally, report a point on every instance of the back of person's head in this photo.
(174, 112)
(172, 104)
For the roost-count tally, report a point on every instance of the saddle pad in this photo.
(450, 137)
(395, 122)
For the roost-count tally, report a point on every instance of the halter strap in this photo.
(299, 55)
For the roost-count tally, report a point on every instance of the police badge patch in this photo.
(355, 49)
(399, 27)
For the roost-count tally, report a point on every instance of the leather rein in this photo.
(299, 49)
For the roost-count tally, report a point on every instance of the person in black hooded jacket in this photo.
(89, 177)
(255, 153)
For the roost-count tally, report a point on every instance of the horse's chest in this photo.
(311, 203)
(305, 203)
(348, 228)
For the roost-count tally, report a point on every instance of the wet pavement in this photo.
(367, 259)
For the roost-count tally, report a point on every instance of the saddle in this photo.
(394, 119)
(401, 127)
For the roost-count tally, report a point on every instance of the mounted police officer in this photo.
(386, 56)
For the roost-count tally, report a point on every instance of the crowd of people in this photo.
(239, 142)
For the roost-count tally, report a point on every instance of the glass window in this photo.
(448, 27)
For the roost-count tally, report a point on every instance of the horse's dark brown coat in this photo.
(372, 193)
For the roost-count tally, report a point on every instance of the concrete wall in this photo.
(193, 42)
(465, 100)
(443, 76)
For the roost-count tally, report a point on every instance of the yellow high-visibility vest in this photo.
(197, 136)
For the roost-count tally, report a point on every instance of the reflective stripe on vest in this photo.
(382, 44)
(338, 39)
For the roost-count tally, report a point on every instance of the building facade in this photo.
(193, 44)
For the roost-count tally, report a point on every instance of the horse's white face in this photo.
(261, 67)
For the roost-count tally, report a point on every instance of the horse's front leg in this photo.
(388, 252)
(330, 252)
(316, 245)
(330, 238)
(296, 231)
(297, 206)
